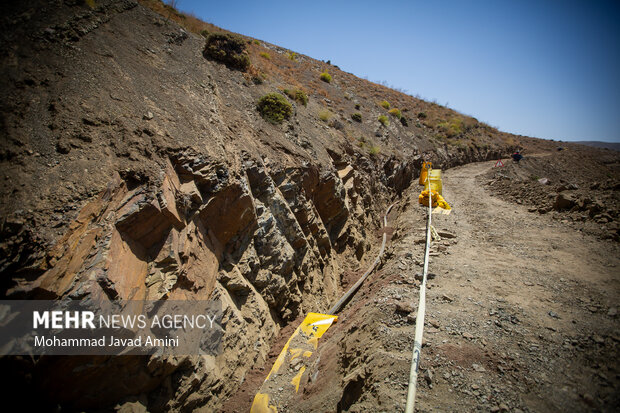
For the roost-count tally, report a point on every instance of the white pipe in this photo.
(419, 323)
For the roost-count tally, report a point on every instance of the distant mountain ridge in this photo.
(599, 144)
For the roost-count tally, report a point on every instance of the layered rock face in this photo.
(267, 243)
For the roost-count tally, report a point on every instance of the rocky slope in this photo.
(135, 168)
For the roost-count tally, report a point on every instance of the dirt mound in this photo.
(577, 185)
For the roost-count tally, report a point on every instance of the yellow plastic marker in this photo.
(306, 335)
(424, 172)
(297, 378)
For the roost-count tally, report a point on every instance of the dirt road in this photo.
(524, 309)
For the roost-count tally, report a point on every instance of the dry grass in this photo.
(187, 20)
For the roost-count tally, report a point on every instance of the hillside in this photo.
(598, 144)
(141, 161)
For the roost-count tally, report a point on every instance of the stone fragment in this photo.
(428, 376)
(564, 201)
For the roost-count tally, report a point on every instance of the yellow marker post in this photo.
(424, 172)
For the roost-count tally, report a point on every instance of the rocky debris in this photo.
(428, 377)
(446, 234)
(564, 201)
(587, 200)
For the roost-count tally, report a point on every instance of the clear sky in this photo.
(546, 68)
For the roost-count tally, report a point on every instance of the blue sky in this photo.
(547, 68)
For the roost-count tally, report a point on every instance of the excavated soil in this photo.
(578, 186)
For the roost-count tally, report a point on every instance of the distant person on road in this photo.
(517, 156)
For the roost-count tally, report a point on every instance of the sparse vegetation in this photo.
(326, 77)
(422, 115)
(274, 108)
(256, 76)
(395, 112)
(356, 117)
(371, 148)
(357, 106)
(256, 42)
(228, 49)
(324, 115)
(374, 150)
(258, 79)
(265, 55)
(297, 95)
(384, 120)
(452, 128)
(385, 104)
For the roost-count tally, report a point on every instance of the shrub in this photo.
(265, 55)
(326, 77)
(422, 115)
(298, 95)
(256, 76)
(384, 120)
(356, 117)
(258, 79)
(228, 49)
(274, 108)
(374, 150)
(204, 33)
(403, 121)
(357, 106)
(292, 56)
(452, 128)
(256, 42)
(395, 112)
(385, 104)
(324, 115)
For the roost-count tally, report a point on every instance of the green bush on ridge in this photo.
(274, 108)
(228, 49)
